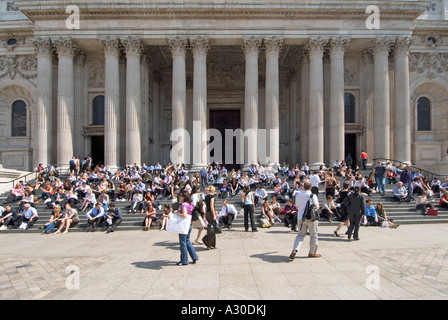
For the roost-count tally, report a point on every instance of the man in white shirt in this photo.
(301, 200)
(315, 181)
(260, 194)
(227, 215)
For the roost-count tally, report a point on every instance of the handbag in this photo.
(213, 228)
(178, 224)
(199, 223)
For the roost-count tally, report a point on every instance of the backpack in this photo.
(311, 213)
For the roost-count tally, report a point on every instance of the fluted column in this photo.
(43, 150)
(381, 101)
(65, 110)
(337, 123)
(200, 47)
(111, 101)
(178, 47)
(251, 48)
(273, 47)
(316, 106)
(402, 114)
(133, 48)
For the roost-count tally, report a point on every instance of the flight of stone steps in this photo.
(401, 213)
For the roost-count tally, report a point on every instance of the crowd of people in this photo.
(93, 191)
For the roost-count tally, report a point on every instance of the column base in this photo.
(315, 166)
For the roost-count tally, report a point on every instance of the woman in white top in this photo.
(423, 203)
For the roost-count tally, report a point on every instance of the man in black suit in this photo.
(356, 208)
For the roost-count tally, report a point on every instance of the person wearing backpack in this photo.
(306, 202)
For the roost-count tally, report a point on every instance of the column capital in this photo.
(65, 46)
(111, 45)
(251, 45)
(200, 46)
(402, 45)
(315, 46)
(178, 46)
(133, 46)
(382, 45)
(43, 46)
(273, 46)
(338, 45)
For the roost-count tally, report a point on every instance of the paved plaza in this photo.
(410, 262)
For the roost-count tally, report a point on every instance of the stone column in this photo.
(44, 147)
(111, 101)
(133, 48)
(273, 46)
(316, 107)
(381, 101)
(178, 47)
(65, 110)
(251, 47)
(402, 114)
(336, 114)
(200, 47)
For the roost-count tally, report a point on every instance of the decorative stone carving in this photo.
(338, 45)
(273, 46)
(316, 46)
(225, 71)
(421, 62)
(43, 46)
(133, 46)
(25, 66)
(111, 45)
(200, 45)
(251, 45)
(382, 45)
(178, 46)
(65, 46)
(96, 75)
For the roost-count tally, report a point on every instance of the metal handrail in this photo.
(19, 178)
(429, 174)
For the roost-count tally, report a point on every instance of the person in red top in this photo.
(364, 158)
(444, 200)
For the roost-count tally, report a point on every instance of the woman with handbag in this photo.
(186, 247)
(210, 238)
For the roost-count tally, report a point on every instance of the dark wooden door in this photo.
(222, 120)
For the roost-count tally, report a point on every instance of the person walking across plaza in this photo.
(304, 225)
(186, 247)
(356, 208)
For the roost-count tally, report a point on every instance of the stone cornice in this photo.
(286, 9)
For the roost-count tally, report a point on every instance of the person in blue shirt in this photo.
(95, 216)
(371, 215)
(28, 215)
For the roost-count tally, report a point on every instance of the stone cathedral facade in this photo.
(323, 78)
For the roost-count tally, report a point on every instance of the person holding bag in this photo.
(210, 238)
(186, 247)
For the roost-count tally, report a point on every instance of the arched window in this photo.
(18, 120)
(349, 108)
(98, 111)
(423, 114)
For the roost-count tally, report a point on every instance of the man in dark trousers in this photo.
(356, 208)
(114, 214)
